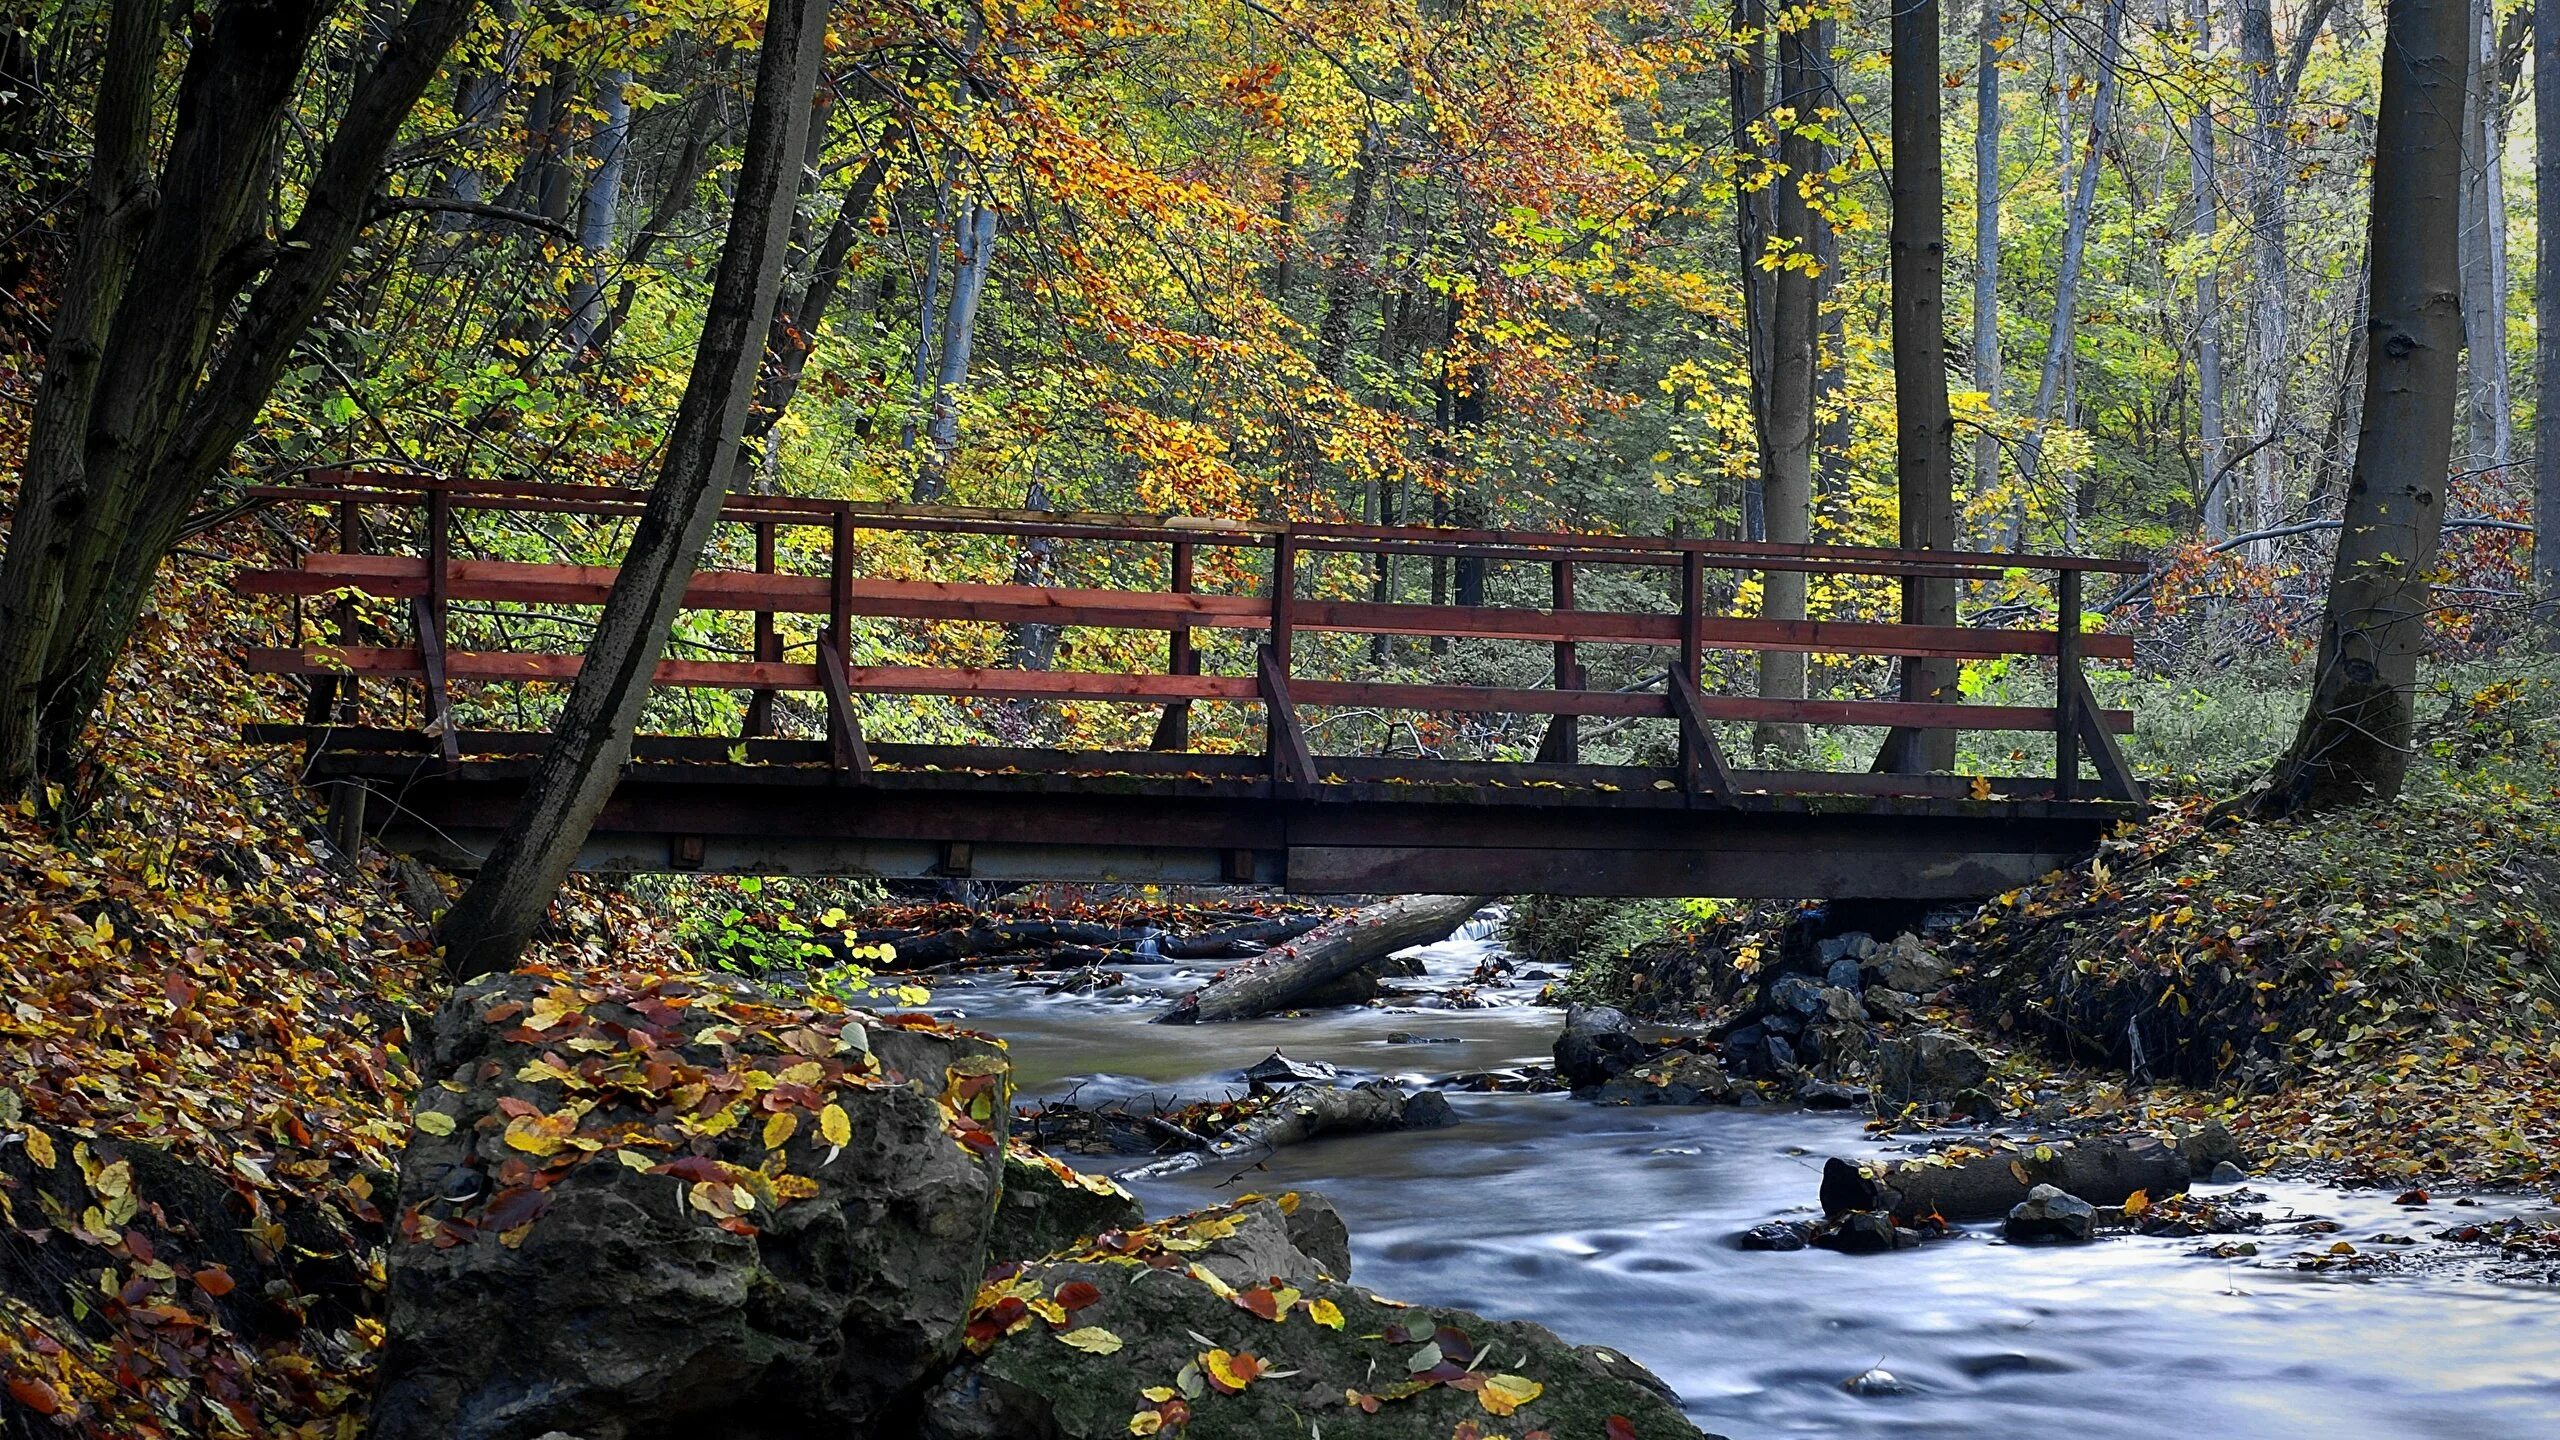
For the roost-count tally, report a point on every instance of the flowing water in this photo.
(1615, 1227)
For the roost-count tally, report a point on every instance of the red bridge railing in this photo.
(434, 578)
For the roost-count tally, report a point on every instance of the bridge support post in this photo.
(1173, 727)
(768, 645)
(1562, 744)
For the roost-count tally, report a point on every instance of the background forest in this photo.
(1503, 264)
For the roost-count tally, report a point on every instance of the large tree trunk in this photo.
(1923, 432)
(1986, 242)
(2075, 249)
(488, 927)
(143, 399)
(2354, 739)
(2213, 497)
(1331, 950)
(1786, 432)
(2546, 304)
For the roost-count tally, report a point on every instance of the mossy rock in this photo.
(1048, 1206)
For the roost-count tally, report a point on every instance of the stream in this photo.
(1615, 1227)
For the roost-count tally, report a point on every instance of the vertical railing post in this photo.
(430, 618)
(1173, 728)
(1693, 615)
(840, 587)
(1284, 596)
(2066, 686)
(847, 750)
(1563, 742)
(768, 645)
(333, 697)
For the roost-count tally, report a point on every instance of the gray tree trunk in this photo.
(2488, 429)
(2075, 251)
(2270, 322)
(1923, 432)
(1986, 242)
(2546, 304)
(2213, 500)
(611, 152)
(2355, 734)
(166, 350)
(1754, 221)
(487, 928)
(959, 341)
(1274, 981)
(1786, 432)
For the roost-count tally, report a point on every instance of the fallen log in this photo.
(1305, 1113)
(2104, 1171)
(987, 938)
(1288, 973)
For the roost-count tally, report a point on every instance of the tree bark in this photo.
(2546, 305)
(959, 339)
(144, 401)
(2100, 1171)
(2213, 499)
(1302, 1115)
(1335, 948)
(487, 928)
(1923, 432)
(2355, 734)
(1786, 432)
(2488, 428)
(2270, 323)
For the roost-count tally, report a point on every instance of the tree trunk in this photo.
(1754, 220)
(488, 927)
(1833, 430)
(959, 339)
(1302, 1115)
(2270, 362)
(2075, 250)
(1333, 949)
(1333, 332)
(2488, 414)
(2354, 739)
(2546, 305)
(611, 150)
(1786, 431)
(2100, 1171)
(141, 406)
(1986, 243)
(1923, 433)
(2213, 500)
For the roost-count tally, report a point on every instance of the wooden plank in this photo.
(2066, 729)
(2116, 775)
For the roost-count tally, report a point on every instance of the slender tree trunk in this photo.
(2075, 250)
(1923, 433)
(2355, 734)
(1341, 282)
(1986, 243)
(959, 341)
(2214, 499)
(2270, 321)
(2488, 414)
(162, 365)
(488, 927)
(1786, 456)
(611, 151)
(693, 161)
(2546, 305)
(1754, 219)
(1832, 430)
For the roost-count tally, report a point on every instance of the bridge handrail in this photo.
(432, 581)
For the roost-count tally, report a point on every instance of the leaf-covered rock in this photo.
(1227, 1331)
(1048, 1206)
(629, 1208)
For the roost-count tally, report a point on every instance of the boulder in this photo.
(1839, 1004)
(1865, 1232)
(1794, 994)
(1598, 1042)
(1908, 965)
(2050, 1213)
(1843, 974)
(2210, 1145)
(1885, 1003)
(1830, 1095)
(1152, 1335)
(2226, 1173)
(1930, 1066)
(666, 1207)
(1775, 1235)
(1675, 1077)
(1048, 1206)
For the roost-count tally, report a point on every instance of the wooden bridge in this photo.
(407, 732)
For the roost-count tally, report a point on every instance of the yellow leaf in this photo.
(634, 1160)
(2021, 1172)
(433, 1122)
(2137, 1203)
(780, 1127)
(833, 1124)
(1147, 1422)
(1092, 1340)
(1325, 1313)
(1503, 1394)
(40, 1148)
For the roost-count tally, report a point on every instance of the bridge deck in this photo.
(841, 803)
